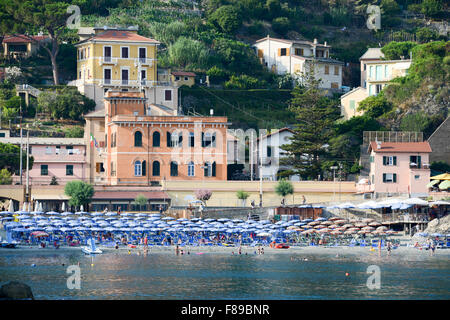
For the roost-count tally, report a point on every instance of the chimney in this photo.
(315, 41)
(378, 144)
(325, 44)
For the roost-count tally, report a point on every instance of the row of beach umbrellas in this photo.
(142, 222)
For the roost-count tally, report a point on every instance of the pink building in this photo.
(63, 158)
(399, 168)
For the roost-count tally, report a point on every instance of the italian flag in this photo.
(92, 140)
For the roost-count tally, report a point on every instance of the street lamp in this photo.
(334, 168)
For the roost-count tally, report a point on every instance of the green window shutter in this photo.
(384, 177)
(395, 177)
(352, 104)
(169, 139)
(395, 160)
(419, 161)
(384, 160)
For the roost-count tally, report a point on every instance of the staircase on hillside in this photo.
(25, 91)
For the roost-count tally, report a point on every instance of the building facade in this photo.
(143, 147)
(399, 168)
(120, 59)
(380, 73)
(376, 74)
(269, 154)
(295, 57)
(22, 46)
(62, 158)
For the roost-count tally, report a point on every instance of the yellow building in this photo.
(180, 78)
(120, 59)
(350, 102)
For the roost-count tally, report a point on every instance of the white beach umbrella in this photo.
(440, 203)
(11, 205)
(81, 208)
(40, 207)
(63, 207)
(415, 201)
(24, 207)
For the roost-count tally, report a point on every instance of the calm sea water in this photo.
(163, 275)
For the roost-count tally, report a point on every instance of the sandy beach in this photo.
(249, 250)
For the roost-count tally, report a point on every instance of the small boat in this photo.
(8, 245)
(91, 249)
(9, 242)
(281, 246)
(228, 244)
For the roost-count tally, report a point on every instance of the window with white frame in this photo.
(191, 169)
(138, 168)
(124, 52)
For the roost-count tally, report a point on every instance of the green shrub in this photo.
(426, 34)
(281, 25)
(217, 74)
(244, 82)
(74, 132)
(226, 18)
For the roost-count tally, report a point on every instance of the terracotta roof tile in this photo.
(20, 38)
(401, 147)
(183, 73)
(121, 35)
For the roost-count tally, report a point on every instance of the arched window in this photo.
(156, 139)
(138, 139)
(156, 169)
(191, 169)
(173, 169)
(137, 168)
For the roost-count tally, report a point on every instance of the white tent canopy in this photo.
(416, 201)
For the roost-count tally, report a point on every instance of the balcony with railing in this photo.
(127, 83)
(145, 62)
(108, 60)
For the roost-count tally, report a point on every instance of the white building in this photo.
(295, 57)
(269, 154)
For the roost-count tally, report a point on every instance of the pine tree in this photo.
(315, 114)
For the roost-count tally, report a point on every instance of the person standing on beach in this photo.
(389, 248)
(303, 199)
